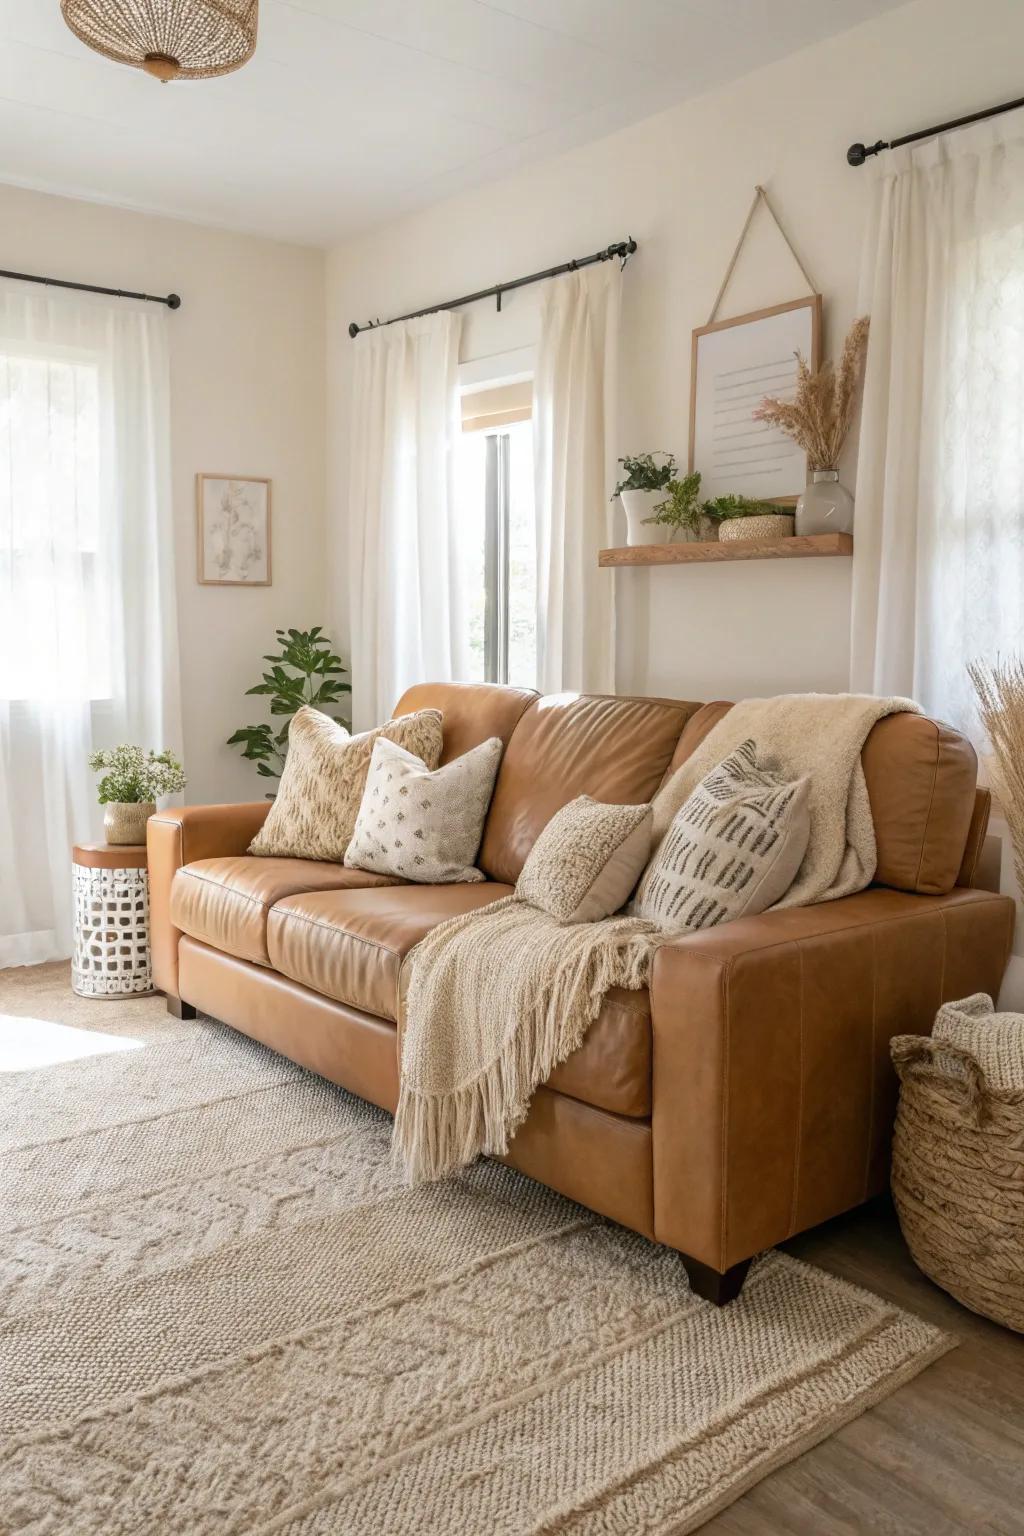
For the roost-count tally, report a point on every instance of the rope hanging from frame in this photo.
(760, 196)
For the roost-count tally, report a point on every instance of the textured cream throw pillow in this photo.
(420, 824)
(314, 814)
(587, 860)
(732, 850)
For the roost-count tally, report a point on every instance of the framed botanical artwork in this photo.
(734, 364)
(233, 531)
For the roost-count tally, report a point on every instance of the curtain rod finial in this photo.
(856, 154)
(353, 329)
(174, 301)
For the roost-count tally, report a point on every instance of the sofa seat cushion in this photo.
(224, 902)
(350, 944)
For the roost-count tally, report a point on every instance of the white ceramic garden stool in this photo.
(111, 941)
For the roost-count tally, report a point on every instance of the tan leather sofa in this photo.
(748, 1096)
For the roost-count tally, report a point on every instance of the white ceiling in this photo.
(354, 111)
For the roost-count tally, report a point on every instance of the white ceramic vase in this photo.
(639, 505)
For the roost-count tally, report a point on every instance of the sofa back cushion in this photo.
(921, 778)
(570, 744)
(472, 712)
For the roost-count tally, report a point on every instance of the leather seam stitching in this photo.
(945, 949)
(314, 922)
(928, 813)
(218, 885)
(724, 1172)
(795, 1202)
(832, 933)
(871, 1063)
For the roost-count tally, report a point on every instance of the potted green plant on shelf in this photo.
(743, 519)
(306, 671)
(643, 486)
(131, 785)
(682, 511)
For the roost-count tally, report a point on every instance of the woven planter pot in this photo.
(755, 530)
(958, 1177)
(124, 822)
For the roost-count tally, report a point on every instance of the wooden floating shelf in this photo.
(809, 546)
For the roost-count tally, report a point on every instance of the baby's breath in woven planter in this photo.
(958, 1175)
(768, 527)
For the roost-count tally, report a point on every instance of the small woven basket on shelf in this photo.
(958, 1176)
(756, 530)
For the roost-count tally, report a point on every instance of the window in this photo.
(495, 507)
(55, 614)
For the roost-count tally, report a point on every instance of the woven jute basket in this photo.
(958, 1176)
(756, 530)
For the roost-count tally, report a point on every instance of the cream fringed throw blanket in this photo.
(499, 997)
(820, 735)
(496, 1000)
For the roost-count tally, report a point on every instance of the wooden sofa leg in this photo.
(180, 1009)
(713, 1286)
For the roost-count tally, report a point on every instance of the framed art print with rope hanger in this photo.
(734, 364)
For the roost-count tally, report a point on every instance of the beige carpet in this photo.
(222, 1316)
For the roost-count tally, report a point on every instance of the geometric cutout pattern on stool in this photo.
(111, 941)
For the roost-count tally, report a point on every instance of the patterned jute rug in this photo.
(222, 1314)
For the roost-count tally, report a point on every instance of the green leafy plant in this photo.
(306, 672)
(643, 474)
(725, 507)
(135, 777)
(682, 509)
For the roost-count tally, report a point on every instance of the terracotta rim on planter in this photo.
(767, 527)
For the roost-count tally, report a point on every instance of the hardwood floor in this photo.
(942, 1455)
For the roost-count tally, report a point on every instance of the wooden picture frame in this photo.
(233, 531)
(755, 347)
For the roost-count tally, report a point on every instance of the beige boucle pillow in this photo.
(420, 824)
(587, 860)
(314, 814)
(732, 850)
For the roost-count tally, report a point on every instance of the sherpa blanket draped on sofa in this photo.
(498, 997)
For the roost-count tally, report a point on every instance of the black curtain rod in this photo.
(858, 153)
(172, 300)
(623, 249)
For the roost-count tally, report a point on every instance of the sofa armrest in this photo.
(180, 836)
(773, 1093)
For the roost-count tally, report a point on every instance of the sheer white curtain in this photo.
(573, 423)
(939, 548)
(88, 640)
(409, 622)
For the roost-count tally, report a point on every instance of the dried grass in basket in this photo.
(958, 1176)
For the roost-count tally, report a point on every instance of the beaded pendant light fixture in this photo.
(169, 39)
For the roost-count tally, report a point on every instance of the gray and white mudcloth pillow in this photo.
(420, 824)
(733, 849)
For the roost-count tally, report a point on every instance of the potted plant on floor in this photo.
(130, 787)
(305, 671)
(641, 489)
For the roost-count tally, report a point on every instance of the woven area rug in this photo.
(222, 1314)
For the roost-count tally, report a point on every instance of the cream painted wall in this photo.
(247, 397)
(681, 183)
